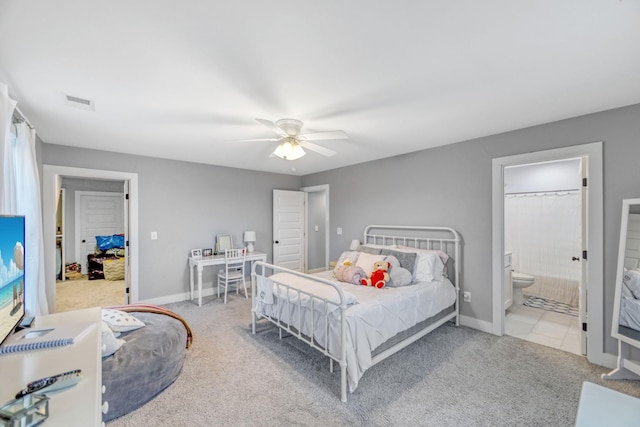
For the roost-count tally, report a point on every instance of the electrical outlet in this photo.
(154, 235)
(339, 231)
(466, 296)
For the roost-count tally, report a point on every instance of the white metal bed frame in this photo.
(452, 238)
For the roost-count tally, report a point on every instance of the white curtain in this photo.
(542, 230)
(20, 192)
(7, 171)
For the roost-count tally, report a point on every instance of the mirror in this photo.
(626, 305)
(626, 312)
(223, 242)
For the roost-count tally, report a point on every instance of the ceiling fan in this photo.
(292, 142)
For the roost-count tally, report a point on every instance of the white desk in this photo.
(76, 406)
(208, 261)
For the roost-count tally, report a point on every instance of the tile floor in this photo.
(544, 327)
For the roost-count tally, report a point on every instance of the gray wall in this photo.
(187, 204)
(451, 185)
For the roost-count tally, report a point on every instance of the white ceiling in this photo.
(180, 79)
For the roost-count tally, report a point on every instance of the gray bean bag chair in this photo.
(149, 361)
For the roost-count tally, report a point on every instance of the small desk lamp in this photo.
(249, 238)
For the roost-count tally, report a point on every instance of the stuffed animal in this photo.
(379, 276)
(350, 274)
(398, 276)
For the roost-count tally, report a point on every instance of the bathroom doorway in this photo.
(543, 244)
(592, 327)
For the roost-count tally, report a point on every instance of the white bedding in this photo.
(373, 317)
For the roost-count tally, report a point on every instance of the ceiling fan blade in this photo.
(256, 140)
(274, 127)
(315, 147)
(332, 134)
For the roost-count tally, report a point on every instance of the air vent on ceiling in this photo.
(77, 102)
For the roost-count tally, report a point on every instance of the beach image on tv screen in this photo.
(11, 272)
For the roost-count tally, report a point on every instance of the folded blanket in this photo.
(350, 274)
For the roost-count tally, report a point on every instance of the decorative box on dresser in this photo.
(80, 405)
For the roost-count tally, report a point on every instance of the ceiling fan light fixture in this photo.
(289, 149)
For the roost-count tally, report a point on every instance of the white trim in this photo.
(595, 304)
(472, 322)
(50, 174)
(313, 189)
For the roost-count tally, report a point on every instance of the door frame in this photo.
(317, 189)
(78, 249)
(595, 288)
(50, 175)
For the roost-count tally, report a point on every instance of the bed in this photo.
(358, 326)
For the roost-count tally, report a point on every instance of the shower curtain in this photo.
(543, 232)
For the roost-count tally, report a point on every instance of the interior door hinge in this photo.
(126, 196)
(126, 243)
(584, 182)
(584, 327)
(584, 255)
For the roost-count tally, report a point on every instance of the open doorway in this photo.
(93, 272)
(52, 182)
(301, 228)
(594, 238)
(317, 228)
(543, 246)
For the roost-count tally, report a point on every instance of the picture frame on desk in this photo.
(196, 253)
(207, 252)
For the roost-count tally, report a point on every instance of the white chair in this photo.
(233, 272)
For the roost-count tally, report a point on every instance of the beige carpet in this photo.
(84, 293)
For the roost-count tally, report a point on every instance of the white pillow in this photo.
(366, 261)
(120, 321)
(429, 267)
(110, 344)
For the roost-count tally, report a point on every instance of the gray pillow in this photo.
(407, 259)
(369, 250)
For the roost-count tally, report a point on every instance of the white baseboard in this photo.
(184, 296)
(474, 323)
(607, 360)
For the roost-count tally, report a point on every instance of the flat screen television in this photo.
(12, 262)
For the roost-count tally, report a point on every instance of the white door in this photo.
(97, 214)
(583, 317)
(288, 229)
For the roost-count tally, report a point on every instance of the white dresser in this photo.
(79, 405)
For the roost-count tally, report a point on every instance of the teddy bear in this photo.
(379, 276)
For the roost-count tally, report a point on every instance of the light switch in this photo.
(154, 235)
(339, 231)
(317, 228)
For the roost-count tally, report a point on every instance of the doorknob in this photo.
(575, 259)
(84, 241)
(276, 242)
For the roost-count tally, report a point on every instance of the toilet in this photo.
(520, 281)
